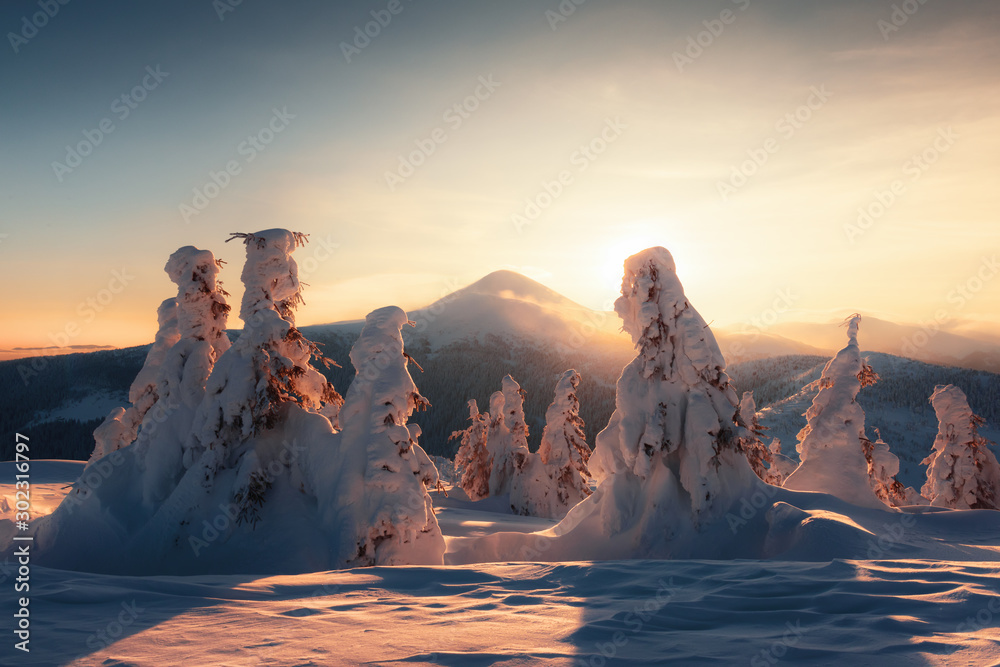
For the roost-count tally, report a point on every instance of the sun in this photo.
(617, 248)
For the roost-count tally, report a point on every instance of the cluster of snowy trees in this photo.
(495, 459)
(226, 443)
(837, 458)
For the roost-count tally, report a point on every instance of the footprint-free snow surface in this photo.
(679, 612)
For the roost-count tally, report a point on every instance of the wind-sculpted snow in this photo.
(687, 612)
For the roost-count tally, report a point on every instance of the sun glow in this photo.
(628, 240)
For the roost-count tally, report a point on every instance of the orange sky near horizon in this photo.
(805, 150)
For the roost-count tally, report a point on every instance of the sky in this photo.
(839, 156)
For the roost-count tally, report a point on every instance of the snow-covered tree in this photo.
(397, 524)
(191, 336)
(781, 465)
(831, 444)
(202, 313)
(758, 455)
(121, 426)
(266, 470)
(883, 466)
(670, 449)
(473, 458)
(564, 446)
(269, 366)
(507, 439)
(962, 472)
(548, 483)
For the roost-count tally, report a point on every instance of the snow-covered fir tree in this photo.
(883, 466)
(507, 440)
(473, 458)
(202, 315)
(781, 465)
(669, 459)
(121, 426)
(962, 472)
(831, 444)
(167, 391)
(397, 525)
(758, 455)
(554, 479)
(270, 364)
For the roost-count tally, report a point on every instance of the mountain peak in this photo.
(512, 285)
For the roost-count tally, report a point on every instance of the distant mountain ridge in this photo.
(925, 343)
(468, 340)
